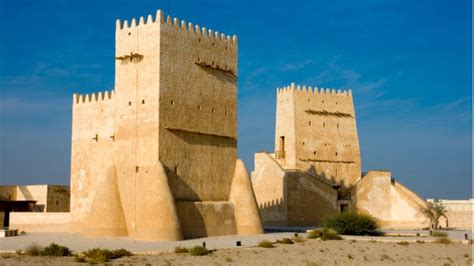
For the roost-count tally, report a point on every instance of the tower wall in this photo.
(137, 75)
(91, 150)
(198, 110)
(326, 141)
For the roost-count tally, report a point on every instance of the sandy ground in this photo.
(309, 252)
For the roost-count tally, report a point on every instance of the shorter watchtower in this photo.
(316, 132)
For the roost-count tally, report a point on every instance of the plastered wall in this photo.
(390, 202)
(321, 127)
(458, 212)
(198, 111)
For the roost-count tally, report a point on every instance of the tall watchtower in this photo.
(322, 136)
(171, 136)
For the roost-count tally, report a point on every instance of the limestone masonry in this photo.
(156, 158)
(315, 170)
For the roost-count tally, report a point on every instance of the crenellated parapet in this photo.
(177, 23)
(93, 97)
(314, 90)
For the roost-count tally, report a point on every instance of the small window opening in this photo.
(314, 152)
(308, 100)
(199, 40)
(226, 112)
(199, 107)
(176, 169)
(302, 142)
(324, 124)
(129, 103)
(336, 103)
(336, 153)
(213, 44)
(213, 110)
(172, 102)
(129, 33)
(57, 203)
(322, 102)
(143, 101)
(309, 123)
(338, 125)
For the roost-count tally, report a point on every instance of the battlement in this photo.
(189, 27)
(310, 90)
(92, 97)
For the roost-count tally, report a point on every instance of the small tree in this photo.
(433, 211)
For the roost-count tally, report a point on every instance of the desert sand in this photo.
(309, 252)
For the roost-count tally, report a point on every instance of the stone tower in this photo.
(162, 146)
(323, 137)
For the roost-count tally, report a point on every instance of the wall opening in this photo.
(344, 207)
(280, 153)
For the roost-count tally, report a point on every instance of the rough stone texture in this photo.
(389, 201)
(315, 170)
(459, 213)
(169, 129)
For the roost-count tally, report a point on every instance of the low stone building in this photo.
(18, 202)
(315, 170)
(458, 213)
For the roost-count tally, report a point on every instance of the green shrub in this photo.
(443, 240)
(33, 250)
(180, 249)
(314, 234)
(284, 241)
(198, 251)
(330, 234)
(121, 252)
(98, 255)
(55, 250)
(439, 234)
(352, 223)
(266, 244)
(298, 239)
(78, 258)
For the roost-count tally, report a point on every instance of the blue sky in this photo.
(407, 62)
